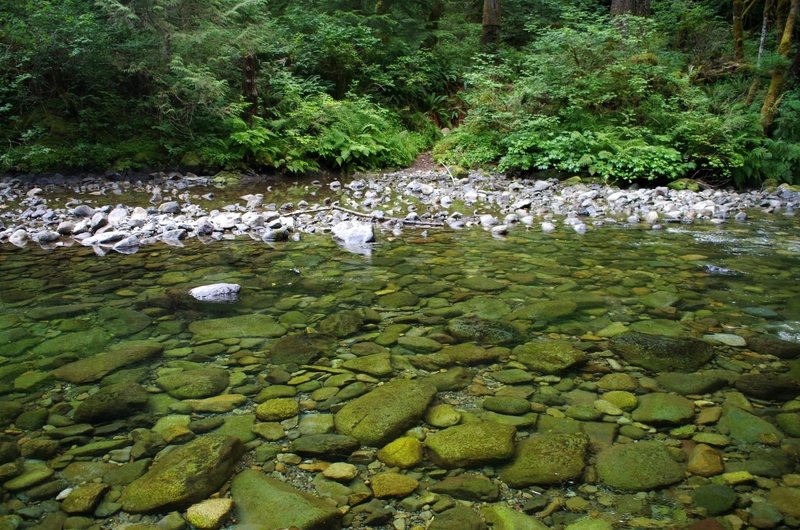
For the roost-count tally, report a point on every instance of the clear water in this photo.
(736, 279)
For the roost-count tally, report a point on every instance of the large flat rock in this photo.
(98, 366)
(547, 459)
(638, 466)
(252, 325)
(264, 503)
(471, 444)
(185, 475)
(662, 354)
(386, 412)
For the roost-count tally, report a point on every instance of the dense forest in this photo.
(622, 90)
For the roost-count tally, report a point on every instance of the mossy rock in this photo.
(469, 487)
(341, 324)
(661, 408)
(195, 384)
(662, 354)
(183, 476)
(684, 184)
(471, 444)
(299, 348)
(549, 356)
(404, 452)
(98, 366)
(746, 427)
(82, 343)
(548, 310)
(386, 412)
(122, 322)
(483, 307)
(484, 331)
(638, 466)
(398, 299)
(111, 402)
(264, 502)
(547, 459)
(226, 179)
(252, 325)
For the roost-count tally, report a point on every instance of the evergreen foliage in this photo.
(361, 84)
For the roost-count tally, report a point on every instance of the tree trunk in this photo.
(738, 31)
(764, 30)
(490, 35)
(781, 11)
(250, 89)
(432, 25)
(382, 7)
(772, 100)
(640, 8)
(794, 69)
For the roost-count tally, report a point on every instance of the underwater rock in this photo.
(217, 292)
(185, 475)
(549, 356)
(386, 412)
(484, 331)
(471, 444)
(264, 502)
(638, 466)
(547, 459)
(660, 354)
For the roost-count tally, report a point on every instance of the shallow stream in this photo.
(577, 342)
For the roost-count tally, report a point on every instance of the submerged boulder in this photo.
(638, 466)
(769, 344)
(264, 503)
(185, 475)
(547, 459)
(549, 356)
(113, 401)
(119, 355)
(194, 384)
(386, 412)
(484, 331)
(252, 325)
(471, 444)
(661, 354)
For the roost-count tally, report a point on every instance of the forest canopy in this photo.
(620, 90)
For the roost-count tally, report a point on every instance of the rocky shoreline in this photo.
(122, 214)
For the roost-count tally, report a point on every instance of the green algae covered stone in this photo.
(662, 354)
(638, 466)
(252, 325)
(264, 503)
(386, 412)
(484, 331)
(471, 444)
(185, 475)
(117, 356)
(547, 459)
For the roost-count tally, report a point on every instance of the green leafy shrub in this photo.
(599, 96)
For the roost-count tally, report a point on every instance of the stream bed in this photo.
(621, 378)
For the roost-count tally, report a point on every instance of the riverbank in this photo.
(124, 214)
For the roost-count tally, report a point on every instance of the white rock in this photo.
(728, 339)
(353, 232)
(117, 216)
(216, 292)
(487, 220)
(19, 238)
